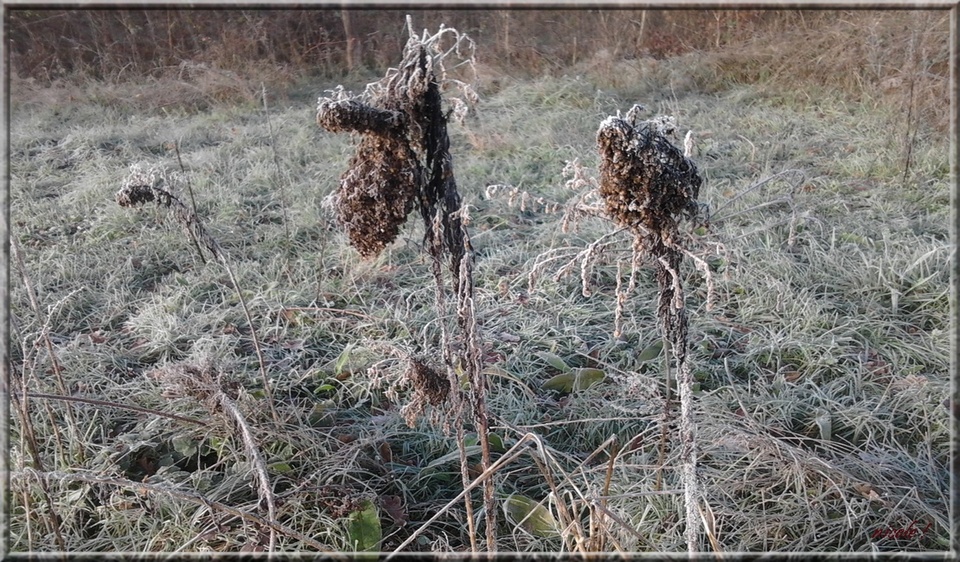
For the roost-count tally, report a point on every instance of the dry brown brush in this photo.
(403, 161)
(647, 185)
(143, 186)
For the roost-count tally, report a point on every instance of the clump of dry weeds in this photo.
(145, 185)
(403, 158)
(647, 185)
(430, 386)
(152, 185)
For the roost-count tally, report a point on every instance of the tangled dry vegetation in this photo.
(646, 184)
(403, 158)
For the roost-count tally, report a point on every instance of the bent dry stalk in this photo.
(403, 160)
(648, 185)
(145, 186)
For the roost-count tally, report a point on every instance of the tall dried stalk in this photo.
(403, 161)
(647, 185)
(276, 164)
(143, 187)
(193, 205)
(44, 336)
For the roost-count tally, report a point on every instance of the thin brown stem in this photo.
(276, 163)
(48, 345)
(193, 204)
(611, 463)
(108, 404)
(256, 340)
(259, 467)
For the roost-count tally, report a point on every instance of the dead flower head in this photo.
(430, 387)
(645, 181)
(377, 193)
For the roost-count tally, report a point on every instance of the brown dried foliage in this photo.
(645, 181)
(428, 382)
(351, 115)
(430, 387)
(338, 501)
(143, 186)
(133, 195)
(648, 185)
(377, 193)
(202, 382)
(404, 155)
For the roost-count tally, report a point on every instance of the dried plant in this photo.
(372, 217)
(403, 160)
(145, 185)
(208, 385)
(149, 185)
(646, 182)
(404, 153)
(648, 185)
(430, 386)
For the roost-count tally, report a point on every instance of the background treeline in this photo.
(101, 43)
(857, 52)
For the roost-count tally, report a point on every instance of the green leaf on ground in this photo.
(532, 516)
(554, 361)
(651, 352)
(363, 528)
(577, 379)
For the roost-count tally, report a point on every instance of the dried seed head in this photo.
(645, 181)
(134, 195)
(143, 185)
(377, 192)
(427, 381)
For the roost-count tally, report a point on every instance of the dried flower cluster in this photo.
(377, 193)
(143, 186)
(430, 387)
(403, 156)
(646, 182)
